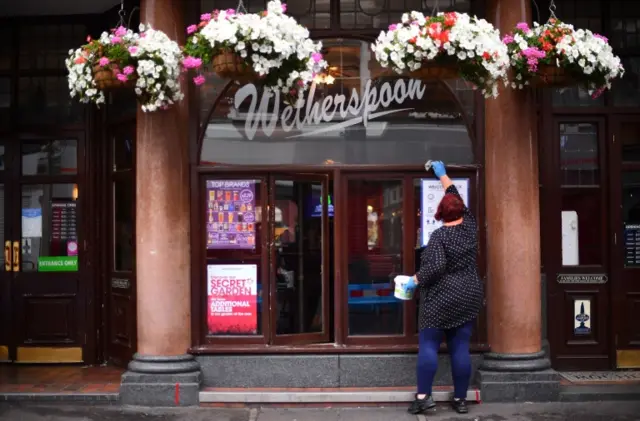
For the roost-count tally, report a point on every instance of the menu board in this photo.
(231, 214)
(632, 245)
(63, 221)
(432, 194)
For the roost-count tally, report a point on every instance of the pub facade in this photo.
(121, 227)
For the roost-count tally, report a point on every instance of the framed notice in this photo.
(231, 214)
(232, 299)
(432, 193)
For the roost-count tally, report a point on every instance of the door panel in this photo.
(626, 252)
(48, 278)
(121, 283)
(299, 267)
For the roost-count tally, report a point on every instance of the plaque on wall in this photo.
(598, 278)
(632, 245)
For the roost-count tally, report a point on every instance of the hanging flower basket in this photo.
(555, 54)
(229, 65)
(148, 62)
(268, 47)
(446, 46)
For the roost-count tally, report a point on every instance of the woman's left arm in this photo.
(433, 262)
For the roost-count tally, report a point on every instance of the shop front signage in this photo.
(231, 214)
(232, 299)
(58, 264)
(307, 113)
(599, 278)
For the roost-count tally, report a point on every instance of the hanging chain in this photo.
(552, 10)
(241, 8)
(434, 11)
(121, 14)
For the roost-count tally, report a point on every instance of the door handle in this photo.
(16, 256)
(7, 256)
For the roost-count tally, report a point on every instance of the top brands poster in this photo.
(432, 193)
(231, 214)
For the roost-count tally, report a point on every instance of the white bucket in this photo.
(405, 287)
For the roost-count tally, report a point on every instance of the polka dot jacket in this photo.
(451, 292)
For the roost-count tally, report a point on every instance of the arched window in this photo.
(356, 114)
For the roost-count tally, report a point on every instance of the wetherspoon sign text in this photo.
(353, 110)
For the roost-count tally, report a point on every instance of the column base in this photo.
(161, 381)
(518, 378)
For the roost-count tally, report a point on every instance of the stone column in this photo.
(516, 368)
(162, 373)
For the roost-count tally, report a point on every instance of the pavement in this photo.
(588, 411)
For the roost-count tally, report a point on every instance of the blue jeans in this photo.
(458, 339)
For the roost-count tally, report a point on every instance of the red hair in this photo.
(451, 208)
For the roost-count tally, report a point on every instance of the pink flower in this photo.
(121, 31)
(206, 17)
(128, 70)
(191, 62)
(602, 37)
(191, 29)
(300, 82)
(103, 61)
(116, 40)
(507, 39)
(199, 80)
(598, 92)
(393, 27)
(231, 12)
(133, 49)
(533, 52)
(523, 26)
(316, 57)
(122, 77)
(284, 8)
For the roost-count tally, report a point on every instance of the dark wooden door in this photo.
(48, 284)
(6, 270)
(121, 281)
(625, 217)
(576, 241)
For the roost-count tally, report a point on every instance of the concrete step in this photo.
(599, 392)
(324, 396)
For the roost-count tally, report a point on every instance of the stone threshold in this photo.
(600, 392)
(322, 396)
(59, 397)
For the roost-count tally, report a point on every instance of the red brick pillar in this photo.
(162, 373)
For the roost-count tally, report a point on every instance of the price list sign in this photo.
(63, 221)
(632, 245)
(231, 214)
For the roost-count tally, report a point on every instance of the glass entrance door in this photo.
(43, 286)
(267, 265)
(626, 252)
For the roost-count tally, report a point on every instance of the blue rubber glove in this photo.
(438, 169)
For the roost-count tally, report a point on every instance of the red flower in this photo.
(444, 37)
(413, 40)
(80, 60)
(450, 18)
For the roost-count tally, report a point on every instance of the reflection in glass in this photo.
(57, 157)
(123, 254)
(5, 101)
(626, 91)
(49, 227)
(313, 14)
(45, 99)
(631, 217)
(299, 241)
(2, 222)
(579, 158)
(630, 140)
(574, 96)
(244, 255)
(123, 143)
(581, 216)
(374, 244)
(418, 120)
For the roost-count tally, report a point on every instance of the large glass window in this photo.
(406, 120)
(375, 247)
(123, 199)
(581, 195)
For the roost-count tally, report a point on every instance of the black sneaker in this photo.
(460, 406)
(419, 406)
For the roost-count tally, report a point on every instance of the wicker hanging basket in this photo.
(229, 65)
(436, 71)
(106, 79)
(551, 76)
